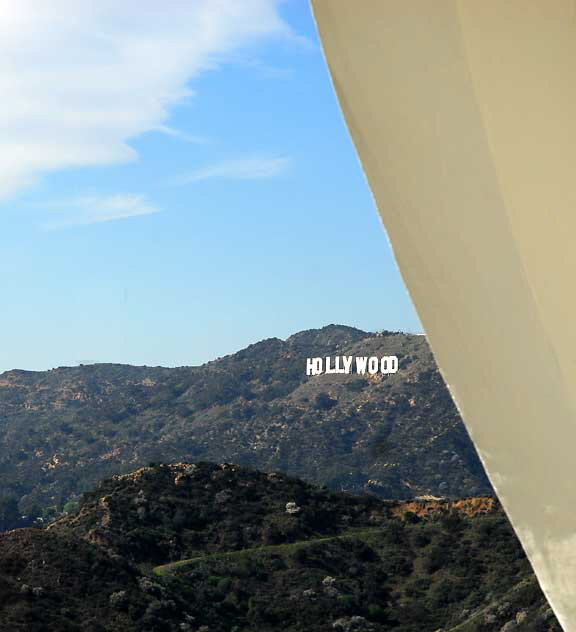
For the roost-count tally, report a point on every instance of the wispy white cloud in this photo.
(251, 168)
(176, 133)
(266, 70)
(81, 211)
(79, 79)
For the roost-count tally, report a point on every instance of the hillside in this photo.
(221, 548)
(51, 583)
(396, 436)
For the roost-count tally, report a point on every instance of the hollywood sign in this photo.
(344, 364)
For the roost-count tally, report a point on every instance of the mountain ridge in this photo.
(208, 547)
(396, 436)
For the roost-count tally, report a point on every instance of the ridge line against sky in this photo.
(176, 181)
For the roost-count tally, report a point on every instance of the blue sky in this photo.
(237, 212)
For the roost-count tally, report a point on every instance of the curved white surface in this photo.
(463, 113)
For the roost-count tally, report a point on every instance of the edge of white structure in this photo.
(462, 114)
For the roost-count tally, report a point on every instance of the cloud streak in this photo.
(79, 78)
(176, 133)
(85, 210)
(252, 168)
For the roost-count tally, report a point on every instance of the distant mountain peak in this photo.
(395, 436)
(328, 335)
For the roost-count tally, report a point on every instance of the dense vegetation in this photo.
(202, 547)
(221, 548)
(396, 436)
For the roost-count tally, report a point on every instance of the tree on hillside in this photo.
(9, 513)
(323, 401)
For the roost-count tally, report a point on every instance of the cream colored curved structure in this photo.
(463, 114)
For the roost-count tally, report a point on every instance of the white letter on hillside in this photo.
(347, 360)
(313, 366)
(328, 369)
(389, 364)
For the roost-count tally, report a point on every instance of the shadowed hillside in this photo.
(221, 548)
(396, 436)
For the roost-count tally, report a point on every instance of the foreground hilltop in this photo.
(182, 510)
(395, 436)
(221, 548)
